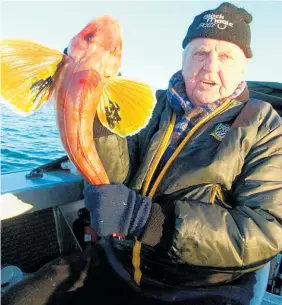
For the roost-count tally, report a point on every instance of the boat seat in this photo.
(249, 289)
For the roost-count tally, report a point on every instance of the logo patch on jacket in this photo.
(219, 131)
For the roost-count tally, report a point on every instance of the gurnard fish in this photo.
(84, 82)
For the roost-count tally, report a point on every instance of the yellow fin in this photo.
(27, 74)
(126, 106)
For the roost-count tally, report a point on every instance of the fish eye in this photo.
(89, 36)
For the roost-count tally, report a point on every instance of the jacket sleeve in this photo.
(241, 236)
(118, 155)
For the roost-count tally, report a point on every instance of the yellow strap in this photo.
(159, 154)
(136, 261)
(136, 251)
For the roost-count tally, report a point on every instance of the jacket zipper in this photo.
(216, 193)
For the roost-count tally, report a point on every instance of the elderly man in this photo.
(197, 193)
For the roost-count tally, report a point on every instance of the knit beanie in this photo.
(226, 22)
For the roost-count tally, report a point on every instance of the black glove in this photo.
(114, 208)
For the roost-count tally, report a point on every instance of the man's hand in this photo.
(114, 208)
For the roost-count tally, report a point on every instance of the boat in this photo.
(41, 205)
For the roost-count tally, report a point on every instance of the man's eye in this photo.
(224, 57)
(201, 55)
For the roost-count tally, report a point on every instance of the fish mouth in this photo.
(107, 75)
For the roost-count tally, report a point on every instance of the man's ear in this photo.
(184, 54)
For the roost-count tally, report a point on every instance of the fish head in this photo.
(98, 46)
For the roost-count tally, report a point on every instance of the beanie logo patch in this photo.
(211, 20)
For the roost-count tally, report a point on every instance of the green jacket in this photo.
(217, 209)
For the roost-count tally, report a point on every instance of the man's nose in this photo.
(212, 63)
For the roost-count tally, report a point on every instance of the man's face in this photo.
(212, 69)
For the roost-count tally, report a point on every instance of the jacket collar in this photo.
(244, 96)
